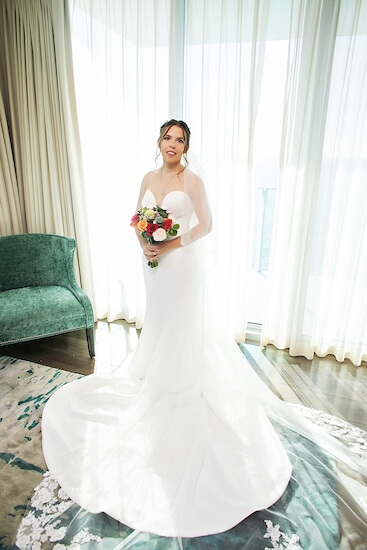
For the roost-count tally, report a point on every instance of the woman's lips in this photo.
(171, 153)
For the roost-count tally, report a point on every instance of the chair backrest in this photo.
(35, 259)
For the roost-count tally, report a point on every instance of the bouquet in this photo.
(154, 224)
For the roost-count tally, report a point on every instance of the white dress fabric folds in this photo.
(183, 442)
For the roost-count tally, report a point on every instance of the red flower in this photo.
(134, 220)
(151, 227)
(167, 224)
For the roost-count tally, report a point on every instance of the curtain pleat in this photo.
(11, 215)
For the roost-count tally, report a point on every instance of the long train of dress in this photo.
(189, 441)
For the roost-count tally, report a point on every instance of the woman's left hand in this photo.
(155, 250)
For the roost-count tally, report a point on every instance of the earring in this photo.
(158, 152)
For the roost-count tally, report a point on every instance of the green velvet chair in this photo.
(39, 295)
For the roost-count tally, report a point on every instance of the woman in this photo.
(182, 444)
(161, 454)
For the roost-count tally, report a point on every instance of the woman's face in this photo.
(172, 145)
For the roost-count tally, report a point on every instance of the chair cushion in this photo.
(33, 312)
(36, 260)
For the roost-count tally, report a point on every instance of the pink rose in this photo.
(134, 220)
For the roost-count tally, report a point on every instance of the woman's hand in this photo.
(150, 252)
(153, 251)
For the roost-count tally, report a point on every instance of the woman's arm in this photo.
(194, 187)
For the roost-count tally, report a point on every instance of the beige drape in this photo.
(11, 212)
(42, 174)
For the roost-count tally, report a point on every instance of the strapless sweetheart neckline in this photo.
(167, 195)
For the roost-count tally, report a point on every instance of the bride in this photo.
(188, 441)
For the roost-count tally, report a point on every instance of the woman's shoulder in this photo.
(150, 175)
(148, 178)
(192, 178)
(193, 183)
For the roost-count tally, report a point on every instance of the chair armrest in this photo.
(74, 286)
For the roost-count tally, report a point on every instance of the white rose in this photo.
(159, 234)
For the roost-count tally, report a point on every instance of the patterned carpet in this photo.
(24, 389)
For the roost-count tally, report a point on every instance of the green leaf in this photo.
(176, 226)
(161, 212)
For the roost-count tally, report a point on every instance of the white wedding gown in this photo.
(169, 449)
(180, 444)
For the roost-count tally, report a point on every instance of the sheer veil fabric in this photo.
(184, 441)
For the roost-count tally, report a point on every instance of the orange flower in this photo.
(142, 225)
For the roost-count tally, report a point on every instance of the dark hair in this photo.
(184, 127)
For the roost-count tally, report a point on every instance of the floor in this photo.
(339, 389)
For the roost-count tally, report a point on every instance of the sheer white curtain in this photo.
(44, 188)
(137, 64)
(271, 91)
(121, 57)
(224, 64)
(317, 293)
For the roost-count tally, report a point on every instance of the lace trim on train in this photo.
(353, 437)
(280, 540)
(43, 524)
(42, 527)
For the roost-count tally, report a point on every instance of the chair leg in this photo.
(90, 340)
